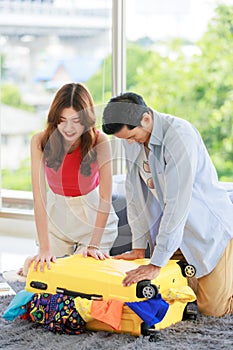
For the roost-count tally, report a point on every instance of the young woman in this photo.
(74, 158)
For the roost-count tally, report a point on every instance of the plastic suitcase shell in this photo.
(102, 279)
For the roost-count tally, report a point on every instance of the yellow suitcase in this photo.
(102, 280)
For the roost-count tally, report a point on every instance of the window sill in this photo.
(22, 214)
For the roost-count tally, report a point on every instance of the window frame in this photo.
(118, 86)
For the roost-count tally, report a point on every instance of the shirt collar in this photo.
(133, 150)
(157, 131)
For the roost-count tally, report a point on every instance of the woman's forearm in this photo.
(101, 221)
(41, 220)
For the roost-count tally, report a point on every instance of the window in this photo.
(44, 44)
(179, 57)
(176, 53)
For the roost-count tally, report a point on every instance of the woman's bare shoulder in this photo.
(102, 138)
(36, 139)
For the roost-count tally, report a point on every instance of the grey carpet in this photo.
(205, 333)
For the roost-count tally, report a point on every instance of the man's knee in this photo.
(215, 308)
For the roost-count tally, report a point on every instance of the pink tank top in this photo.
(68, 181)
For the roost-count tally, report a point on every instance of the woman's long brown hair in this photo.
(77, 96)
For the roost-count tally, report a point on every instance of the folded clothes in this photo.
(183, 294)
(109, 311)
(56, 313)
(151, 311)
(83, 306)
(18, 304)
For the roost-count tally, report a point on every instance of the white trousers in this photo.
(72, 221)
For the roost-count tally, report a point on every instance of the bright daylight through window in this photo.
(44, 44)
(178, 56)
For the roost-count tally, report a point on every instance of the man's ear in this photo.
(146, 120)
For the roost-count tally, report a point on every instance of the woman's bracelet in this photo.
(93, 246)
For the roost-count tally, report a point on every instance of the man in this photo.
(174, 200)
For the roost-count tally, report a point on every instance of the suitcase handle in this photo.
(79, 294)
(38, 285)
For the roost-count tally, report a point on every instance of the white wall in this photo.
(17, 227)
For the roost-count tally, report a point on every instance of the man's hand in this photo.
(143, 272)
(131, 255)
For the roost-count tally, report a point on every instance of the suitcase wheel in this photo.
(145, 330)
(187, 269)
(155, 335)
(190, 312)
(146, 290)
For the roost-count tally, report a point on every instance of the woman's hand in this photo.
(43, 257)
(95, 252)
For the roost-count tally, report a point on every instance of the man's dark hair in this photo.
(124, 109)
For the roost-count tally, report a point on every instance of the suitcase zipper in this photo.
(79, 294)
